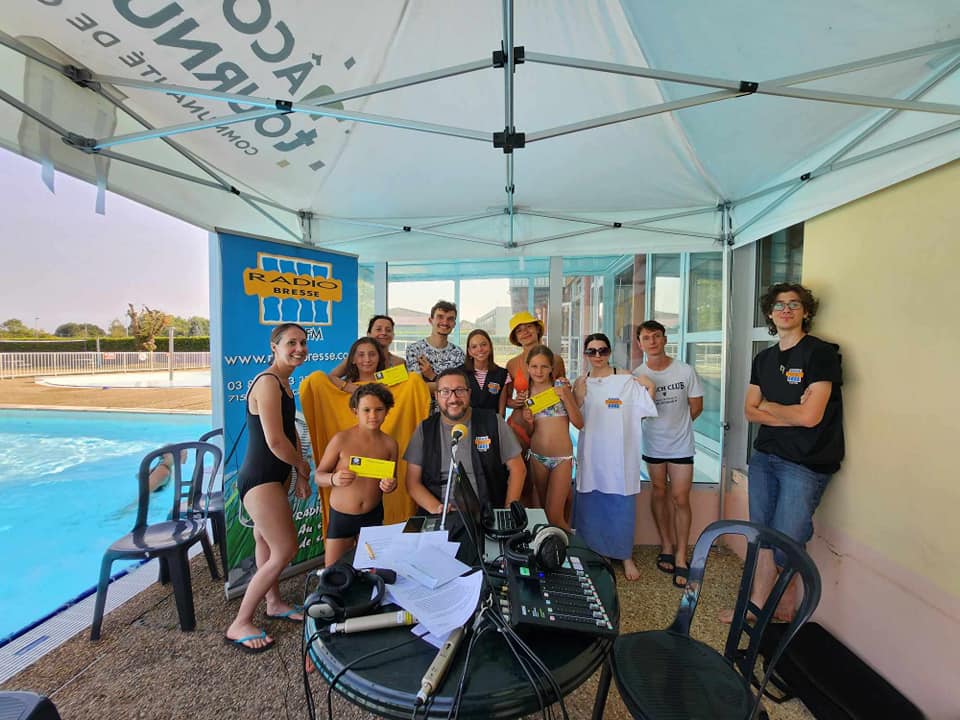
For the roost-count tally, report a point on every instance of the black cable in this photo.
(519, 657)
(458, 695)
(508, 632)
(311, 708)
(352, 663)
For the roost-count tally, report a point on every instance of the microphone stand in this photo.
(446, 495)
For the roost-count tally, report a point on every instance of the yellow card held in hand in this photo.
(372, 468)
(543, 400)
(392, 376)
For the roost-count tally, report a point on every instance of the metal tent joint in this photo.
(748, 87)
(618, 224)
(806, 176)
(500, 57)
(84, 144)
(234, 190)
(407, 228)
(81, 76)
(285, 105)
(509, 140)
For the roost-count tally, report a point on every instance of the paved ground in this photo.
(144, 667)
(25, 392)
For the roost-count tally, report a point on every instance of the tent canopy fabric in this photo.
(371, 127)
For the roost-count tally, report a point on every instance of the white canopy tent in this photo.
(372, 127)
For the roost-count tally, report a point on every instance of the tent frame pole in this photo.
(508, 110)
(744, 86)
(830, 164)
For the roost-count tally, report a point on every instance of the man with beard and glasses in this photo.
(488, 450)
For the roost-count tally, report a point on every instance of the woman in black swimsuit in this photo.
(272, 450)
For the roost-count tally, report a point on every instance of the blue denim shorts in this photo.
(784, 496)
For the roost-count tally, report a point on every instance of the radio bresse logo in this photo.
(293, 289)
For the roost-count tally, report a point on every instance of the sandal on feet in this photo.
(239, 643)
(287, 615)
(663, 561)
(680, 573)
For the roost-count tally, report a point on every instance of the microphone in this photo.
(457, 432)
(438, 668)
(373, 622)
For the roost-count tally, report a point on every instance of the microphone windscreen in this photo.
(458, 431)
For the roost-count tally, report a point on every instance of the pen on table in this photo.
(370, 551)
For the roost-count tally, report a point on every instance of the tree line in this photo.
(145, 325)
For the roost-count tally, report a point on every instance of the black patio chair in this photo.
(22, 705)
(212, 502)
(667, 674)
(170, 540)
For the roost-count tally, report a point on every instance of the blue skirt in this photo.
(606, 522)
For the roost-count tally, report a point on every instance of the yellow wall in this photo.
(887, 270)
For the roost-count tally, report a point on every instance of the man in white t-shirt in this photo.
(668, 446)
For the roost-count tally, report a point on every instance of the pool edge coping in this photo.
(82, 408)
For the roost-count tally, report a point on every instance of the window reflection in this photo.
(705, 358)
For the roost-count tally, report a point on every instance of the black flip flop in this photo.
(681, 572)
(667, 559)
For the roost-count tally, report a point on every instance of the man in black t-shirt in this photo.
(794, 395)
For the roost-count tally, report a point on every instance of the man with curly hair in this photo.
(794, 396)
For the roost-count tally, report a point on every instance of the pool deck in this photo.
(25, 393)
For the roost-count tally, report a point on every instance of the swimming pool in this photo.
(68, 489)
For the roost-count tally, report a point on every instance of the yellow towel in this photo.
(327, 411)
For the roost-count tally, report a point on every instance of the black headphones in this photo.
(488, 520)
(546, 547)
(327, 601)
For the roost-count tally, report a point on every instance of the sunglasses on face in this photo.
(600, 352)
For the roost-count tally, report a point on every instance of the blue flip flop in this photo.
(295, 610)
(239, 643)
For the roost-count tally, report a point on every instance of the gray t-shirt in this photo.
(509, 447)
(670, 434)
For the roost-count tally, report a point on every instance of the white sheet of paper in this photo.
(436, 640)
(431, 567)
(441, 610)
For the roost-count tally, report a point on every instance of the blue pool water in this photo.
(68, 489)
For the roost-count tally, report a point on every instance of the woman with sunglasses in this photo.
(609, 459)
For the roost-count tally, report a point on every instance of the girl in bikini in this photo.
(551, 450)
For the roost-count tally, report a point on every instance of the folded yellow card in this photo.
(372, 468)
(543, 400)
(392, 376)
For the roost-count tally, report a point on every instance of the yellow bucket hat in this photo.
(522, 318)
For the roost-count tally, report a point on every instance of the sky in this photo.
(61, 262)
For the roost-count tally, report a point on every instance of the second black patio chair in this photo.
(667, 674)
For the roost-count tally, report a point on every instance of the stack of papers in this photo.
(429, 583)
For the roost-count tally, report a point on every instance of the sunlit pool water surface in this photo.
(68, 489)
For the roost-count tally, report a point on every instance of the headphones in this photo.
(488, 520)
(546, 547)
(327, 601)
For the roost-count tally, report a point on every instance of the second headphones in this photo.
(546, 547)
(327, 601)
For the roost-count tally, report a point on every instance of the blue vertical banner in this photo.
(263, 283)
